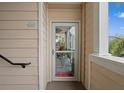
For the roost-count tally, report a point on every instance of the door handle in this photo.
(53, 52)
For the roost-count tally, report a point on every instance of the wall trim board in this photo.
(40, 48)
(42, 44)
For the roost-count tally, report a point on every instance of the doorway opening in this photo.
(65, 51)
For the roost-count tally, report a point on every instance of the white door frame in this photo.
(51, 42)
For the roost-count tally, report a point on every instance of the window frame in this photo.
(104, 30)
(100, 29)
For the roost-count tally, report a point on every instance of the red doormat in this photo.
(64, 74)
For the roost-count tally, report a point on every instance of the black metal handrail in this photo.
(23, 65)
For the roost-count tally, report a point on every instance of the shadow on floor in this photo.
(65, 85)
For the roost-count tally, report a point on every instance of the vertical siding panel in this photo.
(88, 37)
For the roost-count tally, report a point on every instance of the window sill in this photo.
(115, 64)
(112, 58)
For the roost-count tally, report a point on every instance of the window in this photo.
(116, 28)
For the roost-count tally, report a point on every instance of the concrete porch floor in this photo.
(65, 85)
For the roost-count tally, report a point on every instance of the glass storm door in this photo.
(65, 52)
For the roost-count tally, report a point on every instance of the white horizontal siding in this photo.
(33, 61)
(18, 87)
(18, 6)
(22, 53)
(18, 70)
(18, 79)
(18, 15)
(18, 42)
(18, 34)
(22, 25)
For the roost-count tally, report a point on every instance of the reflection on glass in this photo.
(64, 64)
(65, 38)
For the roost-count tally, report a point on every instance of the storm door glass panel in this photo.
(65, 51)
